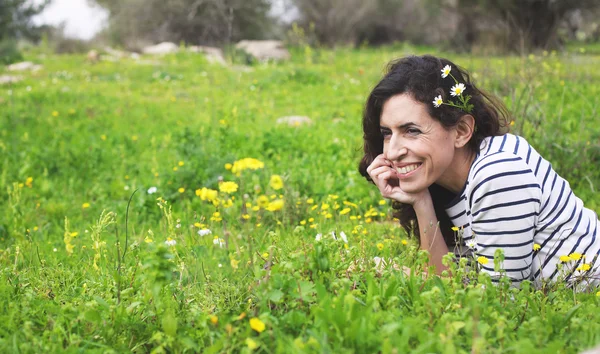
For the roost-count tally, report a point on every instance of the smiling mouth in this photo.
(407, 169)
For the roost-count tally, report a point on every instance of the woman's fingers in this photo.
(379, 161)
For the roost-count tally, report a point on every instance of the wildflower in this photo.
(251, 343)
(564, 259)
(148, 240)
(181, 190)
(55, 114)
(310, 201)
(276, 182)
(382, 202)
(318, 237)
(472, 244)
(454, 228)
(216, 216)
(597, 294)
(29, 182)
(380, 246)
(404, 242)
(170, 242)
(324, 206)
(584, 267)
(257, 325)
(244, 164)
(536, 247)
(303, 222)
(214, 319)
(234, 263)
(437, 101)
(575, 256)
(350, 204)
(218, 241)
(85, 205)
(152, 190)
(345, 211)
(457, 89)
(446, 71)
(181, 163)
(482, 260)
(228, 187)
(275, 205)
(207, 194)
(204, 232)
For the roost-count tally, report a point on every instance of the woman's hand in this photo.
(386, 179)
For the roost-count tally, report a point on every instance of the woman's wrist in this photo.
(424, 203)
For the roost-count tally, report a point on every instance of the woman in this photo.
(438, 147)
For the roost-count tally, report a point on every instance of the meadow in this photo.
(157, 206)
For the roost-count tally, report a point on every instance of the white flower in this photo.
(472, 243)
(318, 237)
(204, 232)
(446, 71)
(219, 241)
(457, 89)
(437, 101)
(152, 190)
(343, 236)
(333, 236)
(170, 242)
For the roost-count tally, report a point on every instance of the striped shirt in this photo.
(513, 200)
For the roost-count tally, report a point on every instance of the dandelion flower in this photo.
(310, 201)
(404, 242)
(454, 228)
(536, 247)
(457, 89)
(472, 244)
(345, 211)
(228, 187)
(275, 205)
(257, 325)
(85, 205)
(437, 101)
(575, 256)
(152, 190)
(251, 343)
(564, 259)
(181, 190)
(207, 194)
(380, 246)
(584, 267)
(276, 182)
(482, 260)
(214, 319)
(446, 71)
(204, 232)
(170, 242)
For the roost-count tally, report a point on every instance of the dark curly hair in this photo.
(420, 77)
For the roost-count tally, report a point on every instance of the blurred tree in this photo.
(526, 24)
(16, 19)
(135, 23)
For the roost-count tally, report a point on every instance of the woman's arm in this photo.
(430, 234)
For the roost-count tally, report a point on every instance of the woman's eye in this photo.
(413, 131)
(385, 133)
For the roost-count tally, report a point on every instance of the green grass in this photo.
(93, 133)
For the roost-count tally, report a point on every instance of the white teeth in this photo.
(407, 169)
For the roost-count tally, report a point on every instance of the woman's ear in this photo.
(464, 130)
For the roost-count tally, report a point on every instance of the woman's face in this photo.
(420, 149)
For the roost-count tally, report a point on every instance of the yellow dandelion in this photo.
(181, 163)
(536, 247)
(262, 201)
(565, 259)
(382, 202)
(275, 205)
(454, 228)
(228, 166)
(575, 256)
(214, 319)
(228, 187)
(310, 201)
(345, 211)
(276, 182)
(181, 190)
(404, 242)
(85, 205)
(380, 246)
(257, 325)
(251, 343)
(482, 260)
(29, 182)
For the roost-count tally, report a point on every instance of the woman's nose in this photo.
(395, 149)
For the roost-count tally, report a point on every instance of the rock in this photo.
(213, 54)
(294, 121)
(7, 79)
(23, 66)
(161, 49)
(264, 50)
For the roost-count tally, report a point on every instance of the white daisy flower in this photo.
(318, 237)
(445, 71)
(170, 242)
(204, 232)
(219, 241)
(472, 244)
(152, 190)
(437, 101)
(457, 89)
